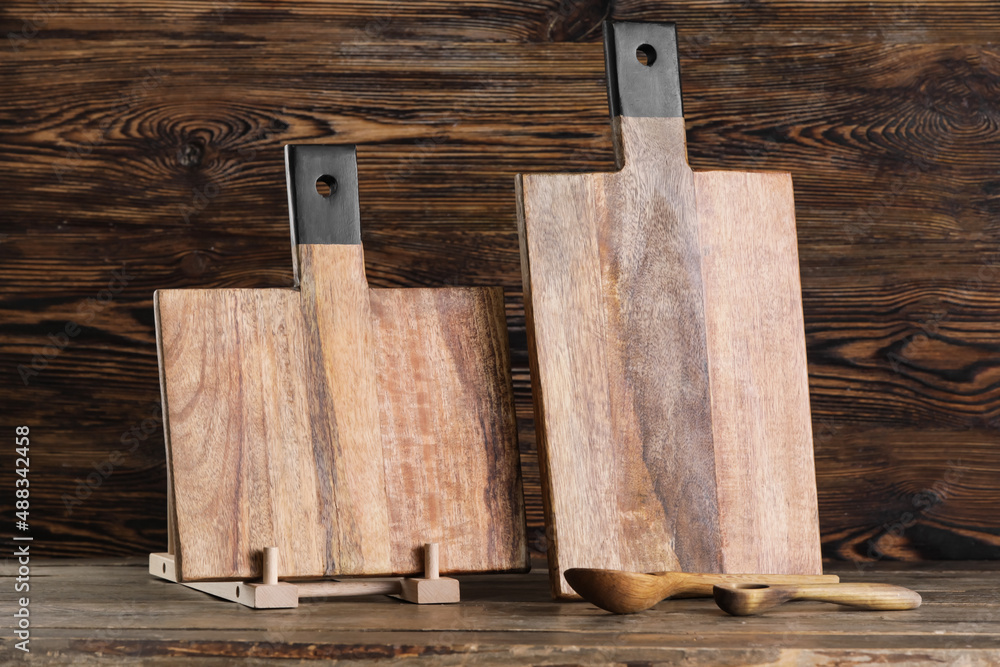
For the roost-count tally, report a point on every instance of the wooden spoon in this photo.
(629, 592)
(748, 599)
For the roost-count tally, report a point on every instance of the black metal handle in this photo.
(644, 79)
(322, 186)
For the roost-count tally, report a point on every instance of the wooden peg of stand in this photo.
(270, 593)
(431, 588)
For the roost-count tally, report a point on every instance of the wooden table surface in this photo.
(85, 611)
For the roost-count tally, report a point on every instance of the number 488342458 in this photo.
(21, 466)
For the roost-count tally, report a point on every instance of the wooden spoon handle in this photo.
(699, 585)
(862, 596)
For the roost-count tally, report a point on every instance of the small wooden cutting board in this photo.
(345, 425)
(667, 348)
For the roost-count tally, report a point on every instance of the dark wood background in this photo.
(146, 138)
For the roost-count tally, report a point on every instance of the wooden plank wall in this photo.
(140, 149)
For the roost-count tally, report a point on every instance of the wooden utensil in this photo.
(629, 592)
(755, 598)
(667, 348)
(346, 426)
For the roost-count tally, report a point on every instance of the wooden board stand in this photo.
(270, 593)
(667, 348)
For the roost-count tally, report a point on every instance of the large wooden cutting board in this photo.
(345, 425)
(667, 348)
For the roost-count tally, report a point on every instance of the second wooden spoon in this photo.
(629, 592)
(748, 599)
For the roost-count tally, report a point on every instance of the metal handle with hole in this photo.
(323, 194)
(649, 87)
(323, 207)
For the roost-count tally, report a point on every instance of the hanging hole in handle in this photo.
(326, 185)
(645, 54)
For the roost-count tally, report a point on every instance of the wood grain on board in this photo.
(651, 284)
(760, 387)
(669, 367)
(345, 429)
(149, 137)
(242, 468)
(344, 425)
(447, 416)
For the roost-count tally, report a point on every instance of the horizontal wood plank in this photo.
(117, 609)
(502, 20)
